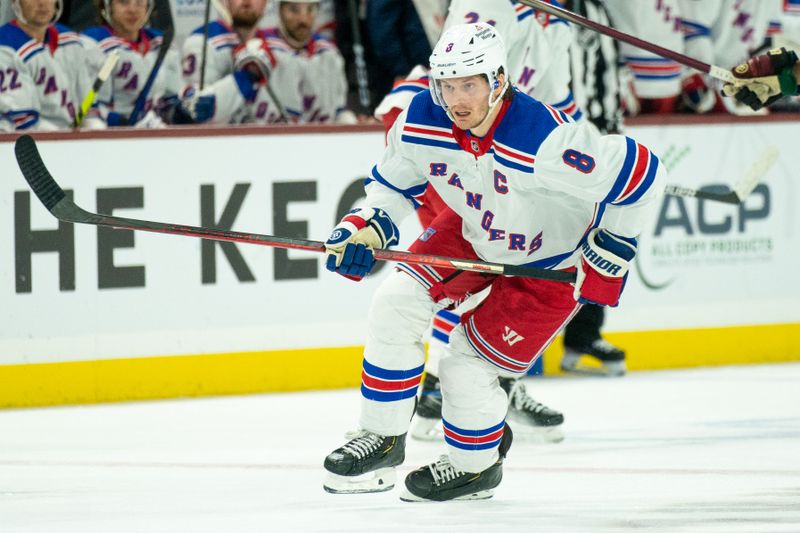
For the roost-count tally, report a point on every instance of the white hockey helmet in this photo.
(105, 11)
(469, 50)
(17, 8)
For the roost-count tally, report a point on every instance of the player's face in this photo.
(38, 12)
(298, 19)
(246, 13)
(467, 98)
(129, 16)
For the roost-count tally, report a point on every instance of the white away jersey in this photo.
(656, 21)
(726, 32)
(323, 85)
(136, 60)
(529, 191)
(232, 105)
(41, 83)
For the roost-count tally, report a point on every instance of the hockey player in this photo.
(541, 62)
(765, 78)
(656, 80)
(43, 72)
(525, 185)
(324, 86)
(244, 79)
(124, 32)
(721, 32)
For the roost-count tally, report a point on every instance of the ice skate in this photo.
(531, 419)
(441, 481)
(364, 464)
(598, 358)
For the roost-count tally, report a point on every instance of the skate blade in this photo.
(589, 366)
(407, 496)
(536, 434)
(426, 429)
(380, 480)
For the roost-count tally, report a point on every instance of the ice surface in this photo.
(697, 450)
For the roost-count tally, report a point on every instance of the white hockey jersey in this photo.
(537, 48)
(130, 74)
(41, 83)
(530, 190)
(656, 21)
(323, 85)
(232, 105)
(726, 32)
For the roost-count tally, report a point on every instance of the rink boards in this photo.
(92, 314)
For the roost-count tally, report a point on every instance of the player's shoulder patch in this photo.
(423, 110)
(527, 124)
(98, 33)
(322, 44)
(215, 29)
(12, 36)
(274, 39)
(152, 33)
(428, 124)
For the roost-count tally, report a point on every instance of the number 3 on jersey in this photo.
(578, 160)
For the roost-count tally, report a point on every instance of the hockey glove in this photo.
(255, 58)
(352, 241)
(199, 108)
(697, 95)
(763, 79)
(603, 268)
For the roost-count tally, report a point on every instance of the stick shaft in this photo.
(712, 70)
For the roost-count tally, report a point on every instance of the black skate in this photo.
(441, 481)
(365, 464)
(427, 421)
(531, 418)
(599, 358)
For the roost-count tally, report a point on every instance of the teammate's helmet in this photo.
(105, 11)
(17, 8)
(468, 50)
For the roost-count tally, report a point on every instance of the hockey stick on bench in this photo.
(741, 190)
(61, 207)
(712, 70)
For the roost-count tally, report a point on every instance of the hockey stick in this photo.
(741, 190)
(226, 16)
(712, 70)
(61, 207)
(165, 13)
(358, 54)
(102, 76)
(204, 53)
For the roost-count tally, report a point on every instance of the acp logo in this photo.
(689, 231)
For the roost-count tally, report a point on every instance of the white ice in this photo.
(701, 450)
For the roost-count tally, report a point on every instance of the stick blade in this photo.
(756, 172)
(39, 179)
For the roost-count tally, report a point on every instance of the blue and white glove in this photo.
(603, 268)
(352, 241)
(200, 108)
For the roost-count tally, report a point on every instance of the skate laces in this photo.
(521, 399)
(363, 443)
(442, 471)
(604, 346)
